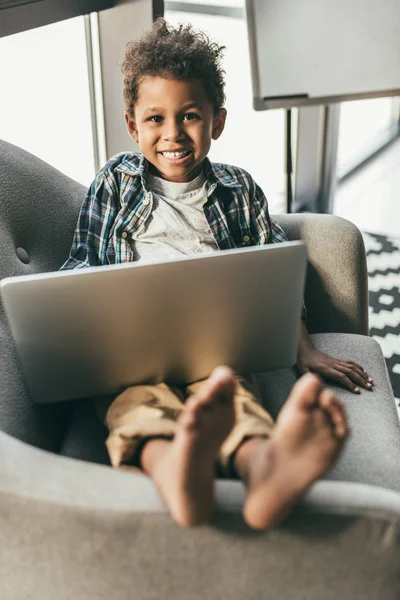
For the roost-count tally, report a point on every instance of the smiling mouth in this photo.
(177, 154)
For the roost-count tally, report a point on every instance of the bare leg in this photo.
(305, 443)
(184, 469)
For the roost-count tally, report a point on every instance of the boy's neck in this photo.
(186, 179)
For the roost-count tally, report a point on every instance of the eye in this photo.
(191, 116)
(155, 119)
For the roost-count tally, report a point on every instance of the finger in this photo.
(354, 376)
(354, 367)
(343, 380)
(352, 362)
(359, 367)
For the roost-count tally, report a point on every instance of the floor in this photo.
(371, 198)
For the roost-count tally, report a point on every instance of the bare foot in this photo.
(306, 441)
(184, 469)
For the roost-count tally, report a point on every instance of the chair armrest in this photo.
(33, 474)
(336, 293)
(74, 529)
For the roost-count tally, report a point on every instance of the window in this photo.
(45, 101)
(365, 125)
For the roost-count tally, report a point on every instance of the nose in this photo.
(173, 130)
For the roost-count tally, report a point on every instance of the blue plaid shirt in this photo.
(119, 202)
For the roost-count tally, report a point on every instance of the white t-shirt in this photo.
(177, 224)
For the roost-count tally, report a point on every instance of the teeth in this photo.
(176, 154)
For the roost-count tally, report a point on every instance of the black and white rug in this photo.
(383, 260)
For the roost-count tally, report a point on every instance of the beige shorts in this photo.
(149, 411)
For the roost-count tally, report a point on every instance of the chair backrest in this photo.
(38, 212)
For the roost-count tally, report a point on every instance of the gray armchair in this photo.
(71, 528)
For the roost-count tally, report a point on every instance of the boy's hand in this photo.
(347, 373)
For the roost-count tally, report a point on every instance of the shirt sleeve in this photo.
(264, 229)
(96, 217)
(276, 233)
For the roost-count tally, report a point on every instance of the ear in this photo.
(132, 128)
(219, 124)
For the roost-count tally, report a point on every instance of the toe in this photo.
(306, 391)
(188, 419)
(222, 373)
(215, 394)
(220, 386)
(222, 382)
(334, 408)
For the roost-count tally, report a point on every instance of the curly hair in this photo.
(179, 53)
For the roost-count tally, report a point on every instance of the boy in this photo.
(168, 201)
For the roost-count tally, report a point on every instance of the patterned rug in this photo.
(383, 260)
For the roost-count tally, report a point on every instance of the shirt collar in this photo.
(218, 174)
(137, 165)
(133, 164)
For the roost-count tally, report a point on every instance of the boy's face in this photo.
(174, 124)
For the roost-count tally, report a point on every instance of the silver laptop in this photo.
(93, 332)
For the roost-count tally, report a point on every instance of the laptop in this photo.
(93, 332)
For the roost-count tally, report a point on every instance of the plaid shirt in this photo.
(119, 202)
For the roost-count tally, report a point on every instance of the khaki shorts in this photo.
(150, 411)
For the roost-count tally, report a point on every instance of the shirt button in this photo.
(124, 235)
(246, 239)
(146, 202)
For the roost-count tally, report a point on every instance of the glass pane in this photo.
(362, 124)
(251, 140)
(44, 102)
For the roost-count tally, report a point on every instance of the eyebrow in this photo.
(152, 109)
(190, 105)
(155, 109)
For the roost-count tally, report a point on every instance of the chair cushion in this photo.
(86, 436)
